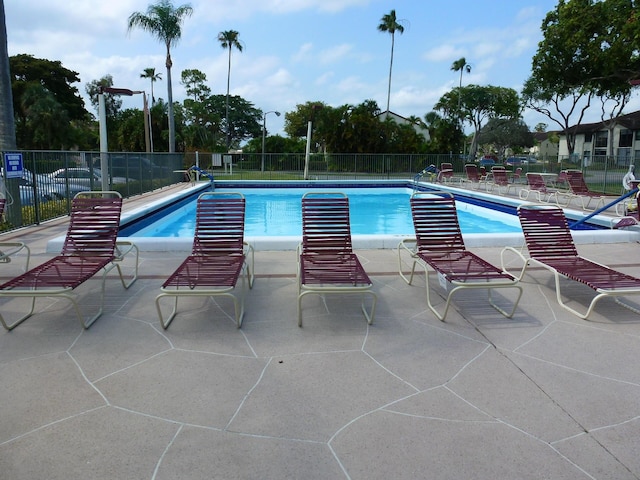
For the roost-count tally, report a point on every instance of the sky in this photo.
(295, 51)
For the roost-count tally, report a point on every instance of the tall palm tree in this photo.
(164, 21)
(151, 74)
(388, 23)
(228, 40)
(461, 66)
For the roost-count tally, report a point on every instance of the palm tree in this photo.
(229, 39)
(164, 21)
(461, 66)
(391, 25)
(151, 74)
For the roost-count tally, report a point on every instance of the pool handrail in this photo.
(603, 208)
(205, 173)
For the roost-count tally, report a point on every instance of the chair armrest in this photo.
(519, 255)
(7, 249)
(124, 248)
(249, 258)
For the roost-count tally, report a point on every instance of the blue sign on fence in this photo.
(13, 165)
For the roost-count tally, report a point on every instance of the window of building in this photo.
(626, 138)
(623, 158)
(601, 139)
(587, 137)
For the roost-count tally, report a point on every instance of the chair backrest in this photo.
(517, 173)
(435, 220)
(536, 182)
(94, 224)
(446, 170)
(3, 201)
(500, 176)
(219, 224)
(326, 226)
(562, 178)
(576, 182)
(546, 232)
(472, 172)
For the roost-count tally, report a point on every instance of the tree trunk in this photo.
(7, 122)
(172, 127)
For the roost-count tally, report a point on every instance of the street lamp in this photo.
(102, 120)
(264, 133)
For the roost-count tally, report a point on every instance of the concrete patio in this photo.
(542, 395)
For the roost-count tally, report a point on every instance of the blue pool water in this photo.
(277, 212)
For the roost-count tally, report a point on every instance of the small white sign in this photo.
(443, 281)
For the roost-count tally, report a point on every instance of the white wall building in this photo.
(592, 141)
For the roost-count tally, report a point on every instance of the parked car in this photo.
(487, 161)
(34, 186)
(514, 161)
(134, 167)
(80, 179)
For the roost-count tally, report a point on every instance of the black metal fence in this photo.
(51, 178)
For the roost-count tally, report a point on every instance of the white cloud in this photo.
(442, 53)
(335, 53)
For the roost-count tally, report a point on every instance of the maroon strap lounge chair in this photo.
(218, 258)
(500, 181)
(473, 176)
(326, 261)
(580, 190)
(446, 172)
(8, 249)
(538, 187)
(550, 245)
(90, 247)
(439, 246)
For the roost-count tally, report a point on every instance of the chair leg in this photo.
(10, 327)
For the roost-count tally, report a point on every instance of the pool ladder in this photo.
(206, 174)
(430, 170)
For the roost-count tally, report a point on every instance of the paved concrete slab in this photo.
(542, 395)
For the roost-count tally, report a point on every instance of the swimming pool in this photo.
(276, 212)
(179, 197)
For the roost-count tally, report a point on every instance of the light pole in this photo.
(264, 133)
(103, 127)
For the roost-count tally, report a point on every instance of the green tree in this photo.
(506, 133)
(112, 103)
(164, 21)
(47, 122)
(476, 104)
(389, 23)
(445, 134)
(589, 48)
(229, 40)
(461, 66)
(245, 121)
(358, 128)
(129, 131)
(151, 74)
(53, 80)
(194, 83)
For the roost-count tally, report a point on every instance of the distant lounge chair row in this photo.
(220, 256)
